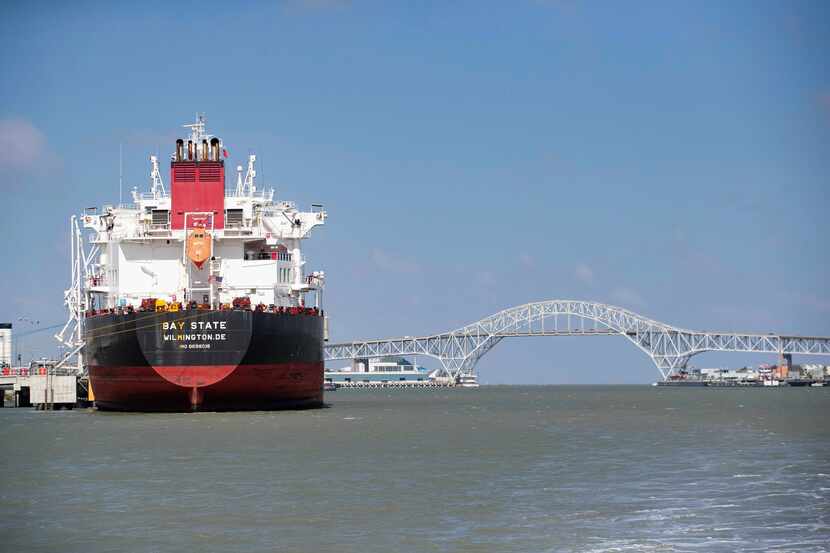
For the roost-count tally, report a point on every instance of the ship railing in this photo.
(202, 307)
(267, 256)
(156, 229)
(151, 196)
(97, 280)
(262, 194)
(237, 231)
(37, 371)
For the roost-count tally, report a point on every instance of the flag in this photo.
(224, 152)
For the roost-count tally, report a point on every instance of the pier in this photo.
(43, 389)
(396, 384)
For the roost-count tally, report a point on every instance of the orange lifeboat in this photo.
(199, 246)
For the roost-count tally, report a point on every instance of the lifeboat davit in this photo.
(199, 246)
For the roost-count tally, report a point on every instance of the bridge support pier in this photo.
(668, 364)
(785, 364)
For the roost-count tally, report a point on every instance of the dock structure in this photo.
(43, 389)
(399, 384)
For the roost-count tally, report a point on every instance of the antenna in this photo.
(197, 129)
(156, 184)
(262, 170)
(249, 187)
(239, 186)
(120, 172)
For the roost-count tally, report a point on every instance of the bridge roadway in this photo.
(669, 347)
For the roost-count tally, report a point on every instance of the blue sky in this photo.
(668, 157)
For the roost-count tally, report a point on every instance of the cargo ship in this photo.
(194, 297)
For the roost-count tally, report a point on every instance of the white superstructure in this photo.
(139, 251)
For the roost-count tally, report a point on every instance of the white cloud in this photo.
(22, 145)
(584, 273)
(626, 297)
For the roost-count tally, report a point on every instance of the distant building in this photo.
(5, 344)
(385, 370)
(767, 375)
(744, 374)
(815, 371)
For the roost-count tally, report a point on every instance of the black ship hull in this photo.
(205, 360)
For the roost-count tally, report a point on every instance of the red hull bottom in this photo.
(208, 388)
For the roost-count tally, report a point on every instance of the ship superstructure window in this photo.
(388, 367)
(256, 249)
(233, 218)
(161, 217)
(259, 250)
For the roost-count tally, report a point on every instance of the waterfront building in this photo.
(5, 344)
(382, 370)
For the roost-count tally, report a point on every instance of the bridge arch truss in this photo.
(669, 347)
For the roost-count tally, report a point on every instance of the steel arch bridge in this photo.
(669, 347)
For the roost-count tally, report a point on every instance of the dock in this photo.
(46, 389)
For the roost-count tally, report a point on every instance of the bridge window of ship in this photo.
(233, 218)
(255, 249)
(160, 218)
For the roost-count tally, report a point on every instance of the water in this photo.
(495, 469)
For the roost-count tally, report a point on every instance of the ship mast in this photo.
(249, 187)
(197, 129)
(156, 184)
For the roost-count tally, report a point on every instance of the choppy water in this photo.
(495, 469)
